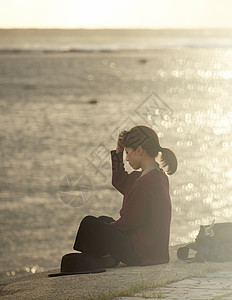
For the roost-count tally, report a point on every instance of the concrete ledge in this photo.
(94, 286)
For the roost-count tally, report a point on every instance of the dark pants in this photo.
(97, 238)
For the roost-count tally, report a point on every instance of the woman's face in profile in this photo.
(133, 158)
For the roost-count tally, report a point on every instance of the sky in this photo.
(115, 13)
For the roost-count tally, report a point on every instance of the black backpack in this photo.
(213, 243)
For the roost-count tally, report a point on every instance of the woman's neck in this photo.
(147, 162)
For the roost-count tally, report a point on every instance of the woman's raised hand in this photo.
(120, 146)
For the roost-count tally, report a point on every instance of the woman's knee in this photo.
(88, 220)
(106, 219)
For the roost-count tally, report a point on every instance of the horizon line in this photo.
(115, 28)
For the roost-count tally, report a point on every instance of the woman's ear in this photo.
(140, 150)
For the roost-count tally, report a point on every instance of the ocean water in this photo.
(64, 97)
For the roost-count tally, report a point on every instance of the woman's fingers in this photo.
(122, 133)
(120, 145)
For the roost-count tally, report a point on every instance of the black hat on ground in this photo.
(76, 263)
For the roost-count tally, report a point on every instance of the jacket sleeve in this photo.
(119, 174)
(134, 212)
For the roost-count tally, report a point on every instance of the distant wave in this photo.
(110, 49)
(118, 47)
(60, 50)
(107, 50)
